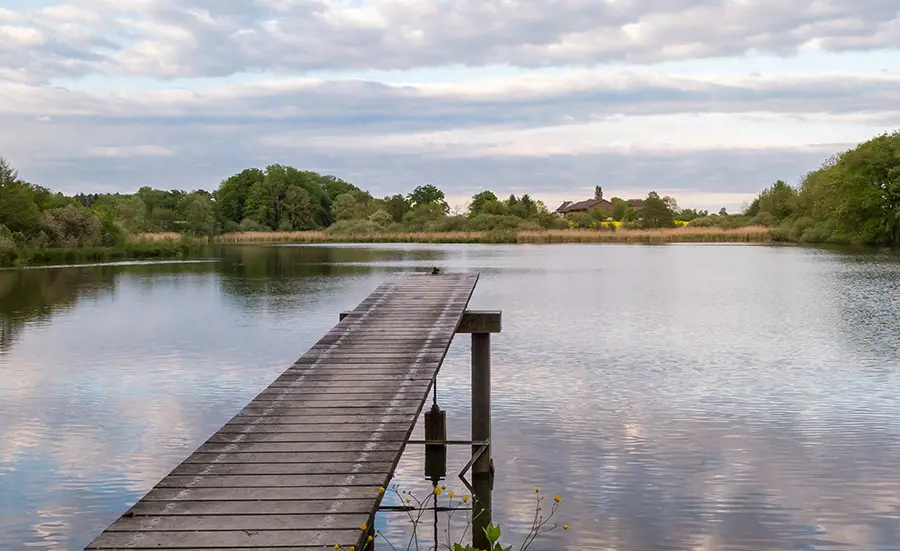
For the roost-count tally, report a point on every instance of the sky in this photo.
(709, 101)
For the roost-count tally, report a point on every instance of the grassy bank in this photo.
(157, 247)
(672, 235)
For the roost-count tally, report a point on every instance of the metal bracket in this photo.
(482, 446)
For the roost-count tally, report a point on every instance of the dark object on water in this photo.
(435, 271)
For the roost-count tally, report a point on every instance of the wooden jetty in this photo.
(300, 467)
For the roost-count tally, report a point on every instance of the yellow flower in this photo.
(452, 495)
(380, 490)
(557, 499)
(371, 538)
(565, 526)
(337, 547)
(537, 489)
(465, 499)
(363, 527)
(444, 487)
(408, 500)
(352, 548)
(437, 491)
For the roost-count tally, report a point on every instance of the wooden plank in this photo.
(251, 507)
(278, 408)
(273, 481)
(352, 403)
(328, 458)
(319, 419)
(355, 437)
(177, 523)
(241, 427)
(359, 466)
(254, 495)
(300, 447)
(223, 539)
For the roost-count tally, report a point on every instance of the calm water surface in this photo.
(679, 397)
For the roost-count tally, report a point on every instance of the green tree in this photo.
(420, 215)
(231, 196)
(397, 206)
(298, 209)
(656, 214)
(18, 210)
(428, 194)
(478, 201)
(335, 187)
(72, 227)
(598, 193)
(622, 210)
(529, 207)
(199, 214)
(345, 207)
(132, 214)
(780, 201)
(381, 217)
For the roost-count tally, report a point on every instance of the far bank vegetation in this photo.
(853, 197)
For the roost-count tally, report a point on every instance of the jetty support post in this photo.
(480, 324)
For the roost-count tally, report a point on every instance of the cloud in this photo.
(130, 151)
(190, 38)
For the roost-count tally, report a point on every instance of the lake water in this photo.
(679, 397)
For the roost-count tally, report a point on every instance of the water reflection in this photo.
(683, 397)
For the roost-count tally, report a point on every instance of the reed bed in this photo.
(752, 234)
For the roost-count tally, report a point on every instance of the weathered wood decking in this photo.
(301, 466)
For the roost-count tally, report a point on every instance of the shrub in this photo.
(450, 223)
(353, 227)
(530, 225)
(72, 226)
(551, 221)
(285, 226)
(764, 219)
(488, 222)
(381, 217)
(702, 222)
(248, 225)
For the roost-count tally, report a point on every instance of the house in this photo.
(584, 206)
(636, 204)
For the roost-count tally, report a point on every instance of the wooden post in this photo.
(481, 400)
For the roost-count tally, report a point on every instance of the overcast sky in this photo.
(706, 100)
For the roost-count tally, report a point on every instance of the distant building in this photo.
(636, 204)
(583, 206)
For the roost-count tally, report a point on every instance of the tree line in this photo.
(853, 197)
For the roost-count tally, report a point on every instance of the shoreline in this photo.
(671, 235)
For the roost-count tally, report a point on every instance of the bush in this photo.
(72, 226)
(581, 220)
(630, 225)
(353, 227)
(448, 224)
(230, 226)
(551, 221)
(285, 225)
(381, 217)
(248, 224)
(702, 222)
(488, 222)
(530, 225)
(764, 219)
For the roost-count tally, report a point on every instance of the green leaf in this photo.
(458, 547)
(492, 531)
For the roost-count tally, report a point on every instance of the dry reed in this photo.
(751, 234)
